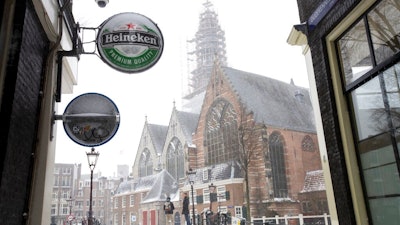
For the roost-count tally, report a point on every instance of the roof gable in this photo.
(164, 186)
(273, 102)
(158, 187)
(158, 134)
(188, 123)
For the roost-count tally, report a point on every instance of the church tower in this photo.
(207, 45)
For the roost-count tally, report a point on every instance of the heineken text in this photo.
(130, 37)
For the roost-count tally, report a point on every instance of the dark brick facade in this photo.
(19, 113)
(316, 41)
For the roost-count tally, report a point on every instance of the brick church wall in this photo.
(297, 161)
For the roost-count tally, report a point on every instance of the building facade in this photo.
(262, 155)
(266, 126)
(65, 178)
(352, 50)
(252, 137)
(102, 198)
(31, 34)
(71, 194)
(140, 200)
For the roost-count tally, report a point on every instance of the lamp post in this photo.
(191, 175)
(219, 202)
(70, 209)
(92, 157)
(211, 188)
(70, 204)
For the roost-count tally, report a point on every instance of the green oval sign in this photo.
(130, 42)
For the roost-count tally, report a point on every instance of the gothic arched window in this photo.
(221, 131)
(175, 159)
(278, 166)
(145, 164)
(307, 144)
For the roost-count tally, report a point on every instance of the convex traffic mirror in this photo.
(91, 119)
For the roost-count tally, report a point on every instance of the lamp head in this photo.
(92, 157)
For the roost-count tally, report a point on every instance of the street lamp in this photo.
(219, 202)
(92, 157)
(70, 209)
(191, 175)
(211, 188)
(70, 204)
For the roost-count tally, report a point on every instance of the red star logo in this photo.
(130, 26)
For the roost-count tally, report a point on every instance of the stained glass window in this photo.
(221, 133)
(277, 158)
(175, 159)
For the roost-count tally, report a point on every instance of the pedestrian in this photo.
(185, 208)
(169, 210)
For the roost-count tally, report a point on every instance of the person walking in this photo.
(185, 208)
(169, 210)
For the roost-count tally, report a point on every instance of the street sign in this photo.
(70, 217)
(320, 12)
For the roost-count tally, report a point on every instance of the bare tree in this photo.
(248, 141)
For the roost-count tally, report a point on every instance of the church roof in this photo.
(164, 186)
(158, 187)
(125, 187)
(158, 134)
(222, 171)
(314, 181)
(273, 102)
(188, 122)
(193, 102)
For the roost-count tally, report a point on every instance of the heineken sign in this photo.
(129, 42)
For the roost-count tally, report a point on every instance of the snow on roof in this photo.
(194, 103)
(164, 186)
(158, 187)
(223, 171)
(158, 134)
(277, 103)
(314, 181)
(188, 122)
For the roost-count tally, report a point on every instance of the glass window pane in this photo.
(386, 210)
(376, 151)
(354, 53)
(382, 181)
(370, 114)
(392, 86)
(381, 178)
(385, 29)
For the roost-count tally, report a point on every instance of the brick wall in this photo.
(19, 111)
(316, 41)
(297, 161)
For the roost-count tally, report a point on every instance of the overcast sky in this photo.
(255, 32)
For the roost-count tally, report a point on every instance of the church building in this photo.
(246, 144)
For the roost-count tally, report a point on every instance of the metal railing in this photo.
(293, 220)
(218, 218)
